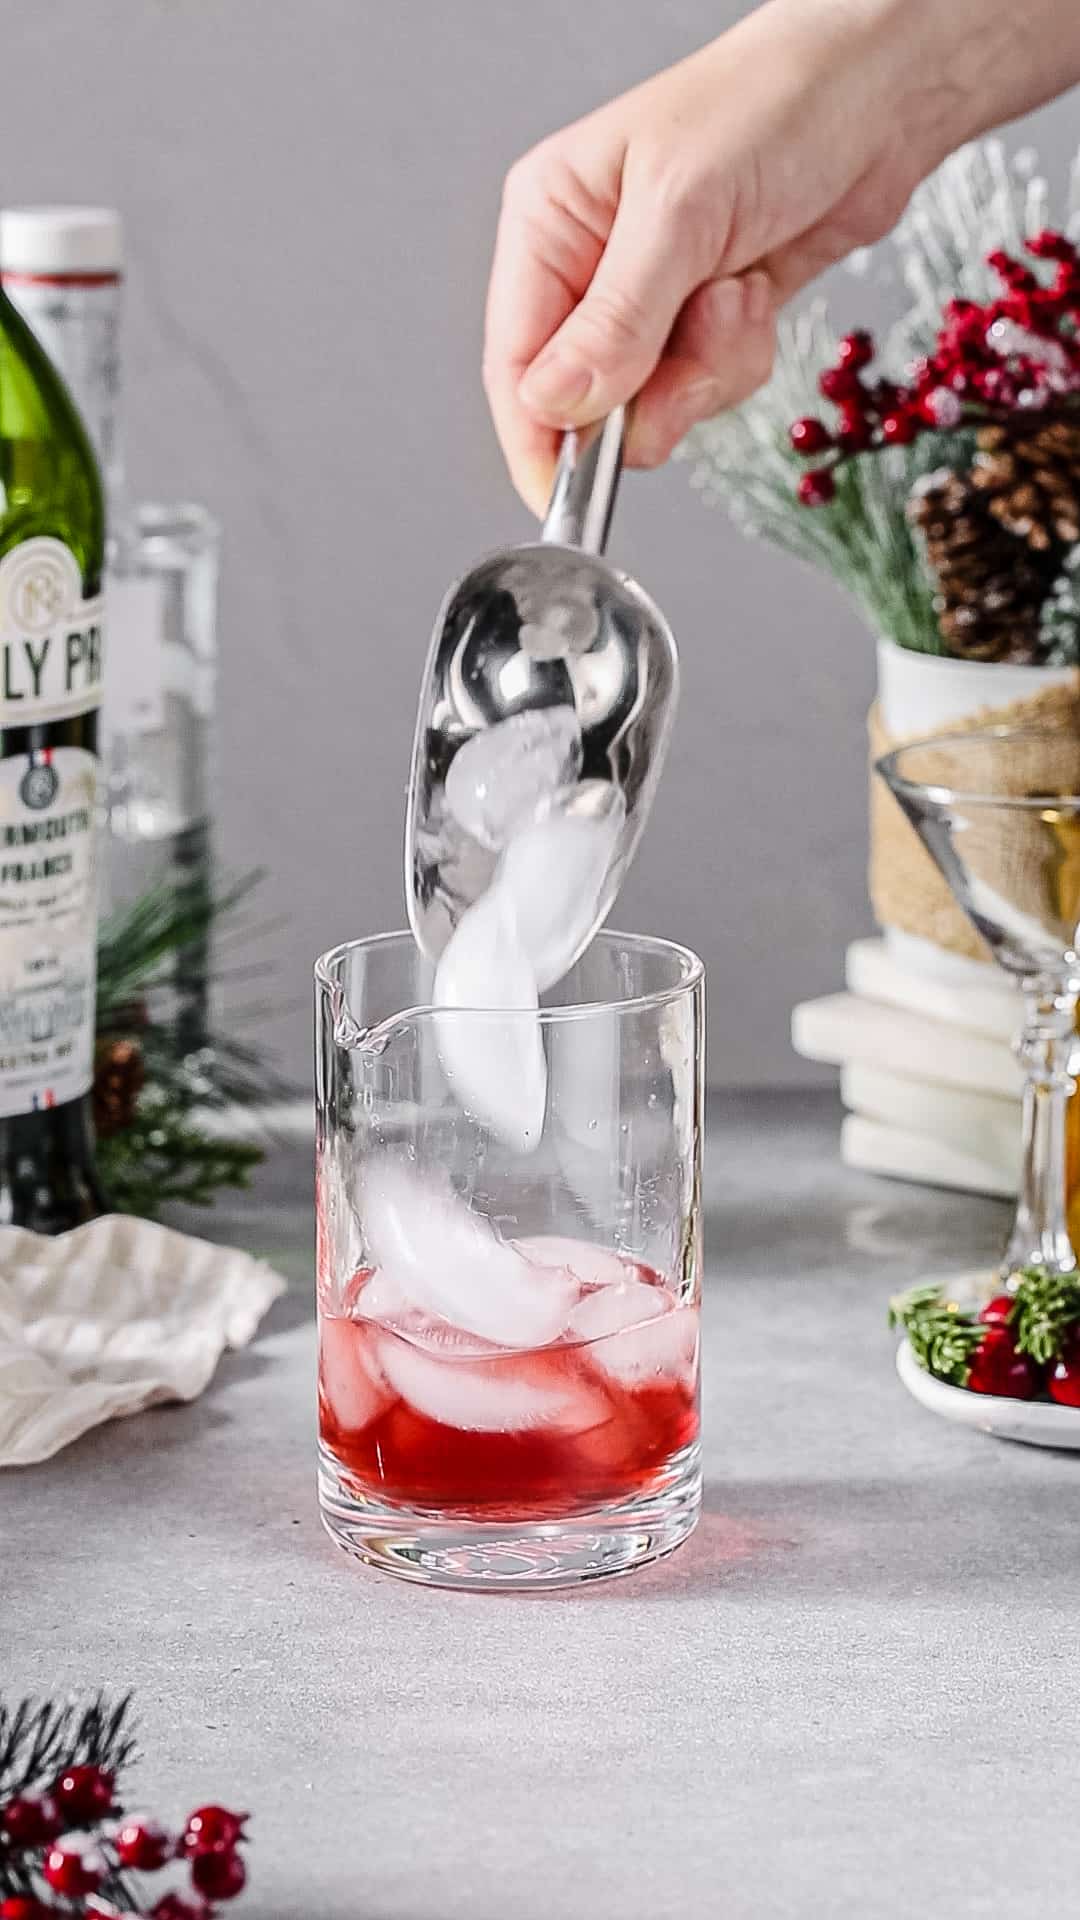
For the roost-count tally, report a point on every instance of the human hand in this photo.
(645, 249)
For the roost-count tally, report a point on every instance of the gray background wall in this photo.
(310, 188)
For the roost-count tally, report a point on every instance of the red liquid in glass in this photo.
(422, 1416)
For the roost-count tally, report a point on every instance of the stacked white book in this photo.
(924, 1042)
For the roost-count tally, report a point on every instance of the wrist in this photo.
(961, 67)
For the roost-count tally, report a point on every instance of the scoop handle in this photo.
(586, 482)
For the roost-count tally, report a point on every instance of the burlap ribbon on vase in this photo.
(906, 889)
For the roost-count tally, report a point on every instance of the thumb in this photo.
(608, 346)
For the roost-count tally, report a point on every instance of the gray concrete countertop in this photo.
(853, 1694)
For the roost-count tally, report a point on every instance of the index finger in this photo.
(544, 259)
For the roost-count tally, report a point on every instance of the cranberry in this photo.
(998, 1311)
(899, 429)
(83, 1794)
(174, 1906)
(220, 1876)
(142, 1845)
(839, 383)
(996, 1368)
(1049, 245)
(817, 488)
(212, 1830)
(1064, 1381)
(856, 350)
(72, 1868)
(855, 433)
(30, 1820)
(810, 436)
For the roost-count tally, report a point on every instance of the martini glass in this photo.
(999, 812)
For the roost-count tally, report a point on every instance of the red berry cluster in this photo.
(74, 1838)
(997, 1365)
(990, 361)
(1020, 1345)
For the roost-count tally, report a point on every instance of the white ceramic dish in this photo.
(1035, 1423)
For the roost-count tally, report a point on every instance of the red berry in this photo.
(810, 436)
(83, 1794)
(1051, 246)
(995, 1367)
(856, 350)
(888, 397)
(142, 1845)
(19, 1907)
(174, 1906)
(856, 433)
(839, 383)
(997, 1311)
(1064, 1382)
(220, 1876)
(817, 488)
(997, 387)
(1008, 269)
(899, 429)
(212, 1830)
(940, 407)
(31, 1819)
(73, 1867)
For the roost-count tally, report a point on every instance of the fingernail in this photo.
(534, 485)
(554, 381)
(758, 299)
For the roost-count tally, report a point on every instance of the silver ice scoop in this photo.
(551, 681)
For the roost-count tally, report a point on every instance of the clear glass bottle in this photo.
(62, 267)
(159, 727)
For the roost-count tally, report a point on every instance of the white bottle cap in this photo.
(61, 240)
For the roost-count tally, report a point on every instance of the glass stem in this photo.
(1040, 1235)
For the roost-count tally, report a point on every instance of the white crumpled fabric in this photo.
(111, 1318)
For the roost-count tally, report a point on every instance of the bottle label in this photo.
(51, 639)
(48, 933)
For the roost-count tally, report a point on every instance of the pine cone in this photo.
(119, 1074)
(1031, 481)
(990, 586)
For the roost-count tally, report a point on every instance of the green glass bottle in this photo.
(52, 551)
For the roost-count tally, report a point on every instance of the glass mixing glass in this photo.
(508, 1304)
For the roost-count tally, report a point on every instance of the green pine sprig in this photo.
(169, 1153)
(1043, 1319)
(942, 1335)
(40, 1738)
(1045, 1313)
(164, 1159)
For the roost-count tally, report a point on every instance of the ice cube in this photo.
(352, 1381)
(583, 1260)
(495, 1066)
(554, 873)
(510, 1394)
(380, 1298)
(501, 778)
(637, 1334)
(445, 1260)
(584, 1110)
